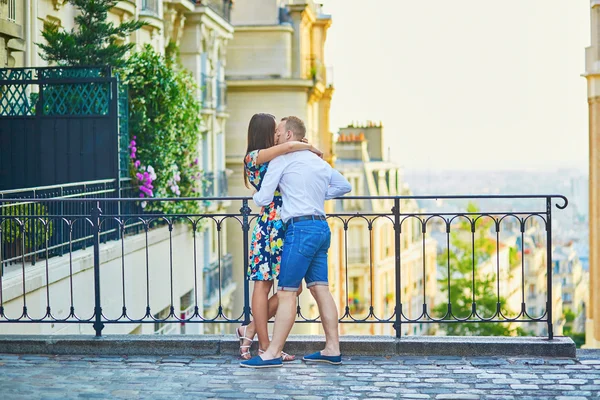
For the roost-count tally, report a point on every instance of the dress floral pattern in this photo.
(266, 246)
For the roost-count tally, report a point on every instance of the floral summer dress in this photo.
(266, 246)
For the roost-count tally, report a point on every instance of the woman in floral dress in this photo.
(266, 246)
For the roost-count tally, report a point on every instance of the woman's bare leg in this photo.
(263, 308)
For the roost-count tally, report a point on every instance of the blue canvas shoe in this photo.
(318, 357)
(257, 362)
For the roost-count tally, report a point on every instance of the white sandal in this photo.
(284, 356)
(243, 346)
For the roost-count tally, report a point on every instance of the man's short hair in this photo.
(296, 125)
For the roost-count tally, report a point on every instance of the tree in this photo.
(93, 42)
(461, 279)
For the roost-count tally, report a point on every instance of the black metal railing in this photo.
(30, 240)
(221, 7)
(472, 265)
(150, 7)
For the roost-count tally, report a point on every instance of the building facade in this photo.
(361, 158)
(592, 75)
(275, 64)
(202, 31)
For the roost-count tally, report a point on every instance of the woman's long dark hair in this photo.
(261, 135)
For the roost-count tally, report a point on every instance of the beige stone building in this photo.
(202, 30)
(592, 74)
(275, 64)
(361, 158)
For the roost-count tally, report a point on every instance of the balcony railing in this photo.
(218, 277)
(223, 183)
(221, 7)
(31, 240)
(215, 184)
(358, 255)
(403, 298)
(221, 96)
(207, 83)
(150, 7)
(12, 11)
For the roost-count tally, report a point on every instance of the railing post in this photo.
(245, 210)
(549, 264)
(398, 308)
(98, 325)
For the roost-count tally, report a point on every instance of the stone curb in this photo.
(204, 345)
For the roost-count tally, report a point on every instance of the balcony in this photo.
(215, 184)
(221, 96)
(150, 7)
(358, 255)
(218, 278)
(207, 87)
(12, 11)
(220, 7)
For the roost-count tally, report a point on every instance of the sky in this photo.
(465, 84)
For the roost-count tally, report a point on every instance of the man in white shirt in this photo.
(305, 182)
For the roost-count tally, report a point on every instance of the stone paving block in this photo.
(577, 366)
(525, 387)
(523, 376)
(558, 387)
(530, 361)
(486, 362)
(555, 376)
(573, 381)
(457, 396)
(590, 362)
(561, 361)
(584, 393)
(571, 398)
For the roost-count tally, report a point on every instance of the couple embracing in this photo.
(291, 238)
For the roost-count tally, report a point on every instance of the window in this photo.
(164, 328)
(150, 6)
(12, 11)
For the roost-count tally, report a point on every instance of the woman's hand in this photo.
(304, 140)
(316, 151)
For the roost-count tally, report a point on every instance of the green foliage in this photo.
(568, 315)
(93, 42)
(165, 120)
(514, 257)
(31, 229)
(461, 279)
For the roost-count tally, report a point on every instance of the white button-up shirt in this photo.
(305, 182)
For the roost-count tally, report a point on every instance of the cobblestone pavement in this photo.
(68, 377)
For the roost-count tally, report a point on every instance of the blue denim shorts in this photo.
(304, 255)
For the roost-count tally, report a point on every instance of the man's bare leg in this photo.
(284, 320)
(329, 319)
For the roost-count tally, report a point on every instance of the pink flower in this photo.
(137, 164)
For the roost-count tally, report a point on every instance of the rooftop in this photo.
(220, 377)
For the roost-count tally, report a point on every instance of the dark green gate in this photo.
(61, 125)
